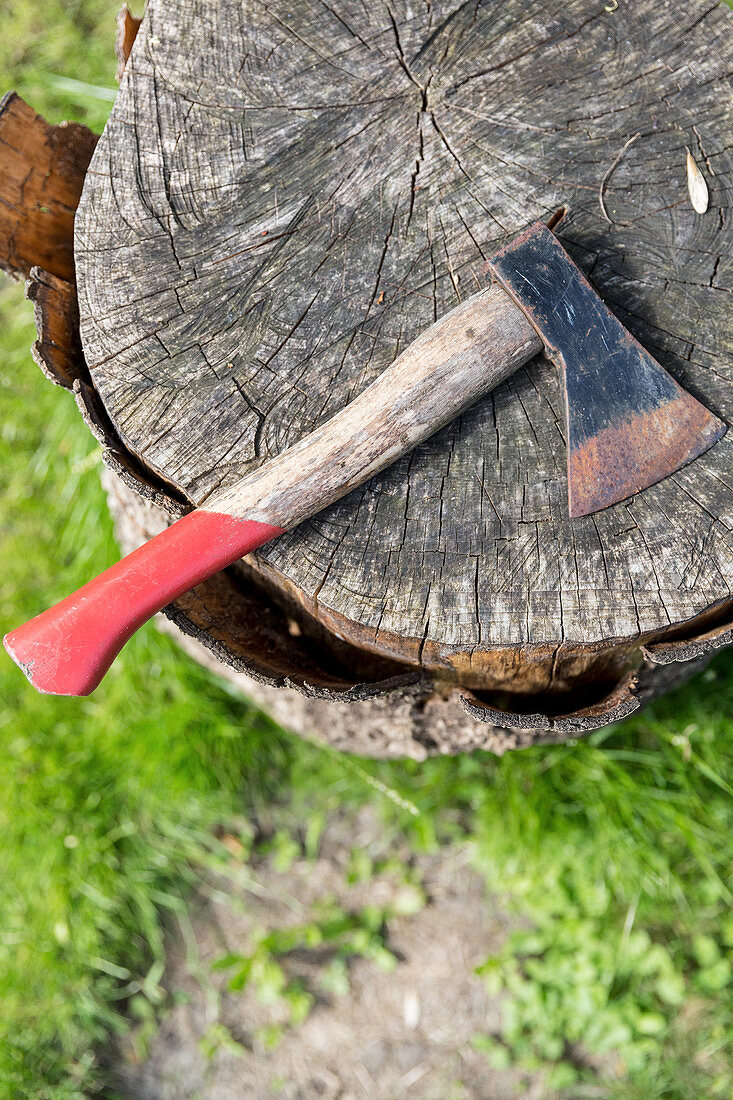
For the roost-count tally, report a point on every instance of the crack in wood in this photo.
(417, 139)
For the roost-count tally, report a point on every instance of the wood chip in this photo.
(696, 185)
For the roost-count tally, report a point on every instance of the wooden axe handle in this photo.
(463, 355)
(67, 649)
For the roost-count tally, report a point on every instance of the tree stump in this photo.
(283, 198)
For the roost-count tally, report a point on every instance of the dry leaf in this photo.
(696, 185)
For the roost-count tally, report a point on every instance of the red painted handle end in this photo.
(68, 649)
(39, 651)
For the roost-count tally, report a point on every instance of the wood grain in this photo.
(461, 357)
(287, 194)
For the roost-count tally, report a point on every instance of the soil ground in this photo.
(404, 1033)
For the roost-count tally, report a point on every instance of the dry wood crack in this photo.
(273, 215)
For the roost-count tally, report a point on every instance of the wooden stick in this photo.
(465, 354)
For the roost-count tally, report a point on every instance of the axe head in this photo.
(628, 423)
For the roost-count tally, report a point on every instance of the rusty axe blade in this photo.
(628, 423)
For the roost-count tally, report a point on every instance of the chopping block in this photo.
(251, 254)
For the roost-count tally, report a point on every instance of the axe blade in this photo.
(628, 422)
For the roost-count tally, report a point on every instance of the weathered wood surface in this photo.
(287, 194)
(305, 675)
(462, 356)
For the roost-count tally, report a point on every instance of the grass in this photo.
(615, 850)
(50, 49)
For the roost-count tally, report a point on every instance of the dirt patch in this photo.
(403, 1033)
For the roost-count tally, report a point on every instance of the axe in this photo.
(628, 425)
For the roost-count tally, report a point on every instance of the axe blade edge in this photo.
(620, 461)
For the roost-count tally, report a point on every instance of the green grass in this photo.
(45, 44)
(616, 851)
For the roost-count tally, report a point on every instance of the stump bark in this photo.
(282, 199)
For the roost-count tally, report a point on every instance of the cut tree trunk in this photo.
(283, 198)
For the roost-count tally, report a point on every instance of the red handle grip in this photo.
(68, 649)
